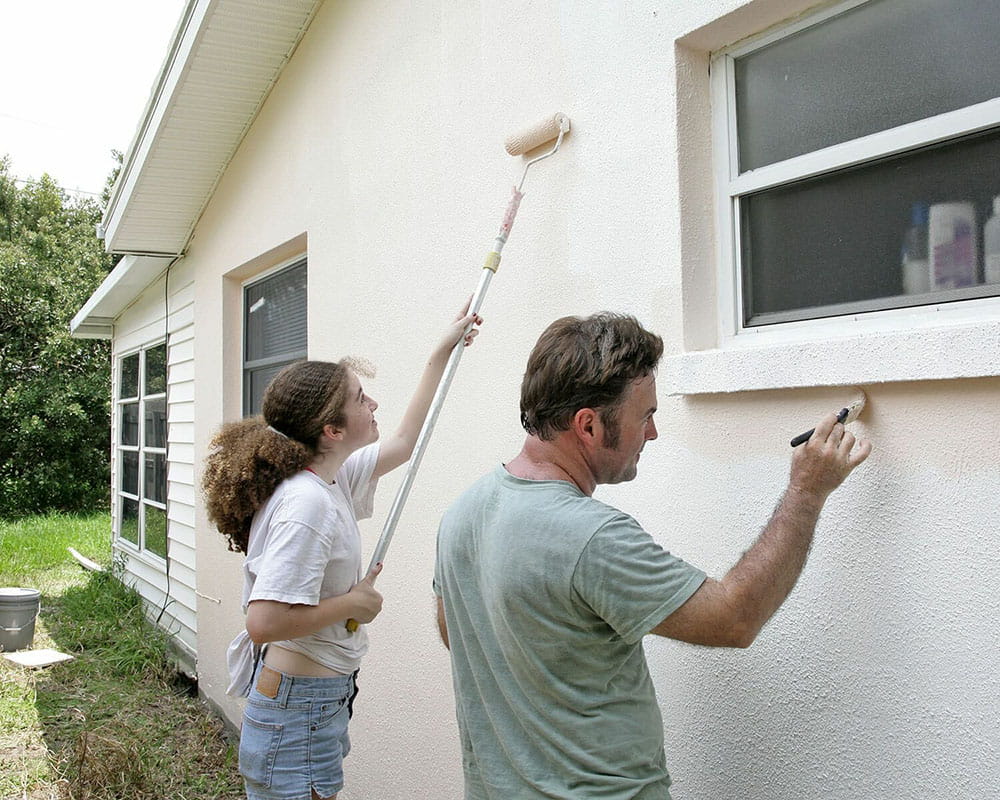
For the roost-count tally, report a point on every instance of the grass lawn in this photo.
(117, 721)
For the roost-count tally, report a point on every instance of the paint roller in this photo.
(846, 415)
(524, 141)
(536, 135)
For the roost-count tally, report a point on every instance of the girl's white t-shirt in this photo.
(304, 546)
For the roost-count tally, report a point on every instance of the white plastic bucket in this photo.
(18, 609)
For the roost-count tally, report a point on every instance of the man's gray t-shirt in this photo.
(547, 595)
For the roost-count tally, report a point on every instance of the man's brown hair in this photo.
(585, 362)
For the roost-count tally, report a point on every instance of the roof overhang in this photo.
(96, 320)
(223, 61)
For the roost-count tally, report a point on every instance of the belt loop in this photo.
(354, 693)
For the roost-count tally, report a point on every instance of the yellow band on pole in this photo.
(492, 261)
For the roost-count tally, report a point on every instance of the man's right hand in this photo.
(824, 462)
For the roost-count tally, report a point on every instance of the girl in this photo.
(287, 489)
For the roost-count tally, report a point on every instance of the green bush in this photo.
(54, 390)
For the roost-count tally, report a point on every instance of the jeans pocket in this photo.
(259, 742)
(326, 713)
(329, 744)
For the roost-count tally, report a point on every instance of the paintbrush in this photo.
(847, 414)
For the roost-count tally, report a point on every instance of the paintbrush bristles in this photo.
(847, 414)
(855, 408)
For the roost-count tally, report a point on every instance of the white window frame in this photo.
(730, 186)
(141, 449)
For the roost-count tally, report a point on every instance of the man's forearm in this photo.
(766, 573)
(731, 612)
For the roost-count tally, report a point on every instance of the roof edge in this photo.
(185, 36)
(116, 293)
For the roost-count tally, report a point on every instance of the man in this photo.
(544, 593)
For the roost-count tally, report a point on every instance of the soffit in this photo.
(225, 57)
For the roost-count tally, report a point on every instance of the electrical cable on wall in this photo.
(167, 599)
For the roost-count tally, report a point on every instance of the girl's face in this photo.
(360, 427)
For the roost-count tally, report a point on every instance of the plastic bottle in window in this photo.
(916, 266)
(954, 245)
(991, 245)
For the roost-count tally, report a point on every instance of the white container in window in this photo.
(953, 251)
(991, 245)
(916, 265)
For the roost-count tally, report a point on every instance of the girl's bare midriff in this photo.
(292, 663)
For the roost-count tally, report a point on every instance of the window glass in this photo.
(129, 523)
(155, 477)
(274, 330)
(129, 386)
(156, 370)
(155, 526)
(871, 68)
(155, 431)
(903, 231)
(894, 106)
(130, 424)
(276, 314)
(130, 472)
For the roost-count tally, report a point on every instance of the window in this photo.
(142, 450)
(861, 148)
(274, 324)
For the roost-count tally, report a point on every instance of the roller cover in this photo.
(537, 134)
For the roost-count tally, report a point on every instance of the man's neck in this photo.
(551, 461)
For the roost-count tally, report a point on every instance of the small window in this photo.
(142, 450)
(862, 147)
(274, 318)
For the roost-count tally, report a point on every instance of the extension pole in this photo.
(556, 127)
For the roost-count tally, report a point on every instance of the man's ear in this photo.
(586, 425)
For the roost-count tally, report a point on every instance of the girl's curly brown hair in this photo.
(248, 459)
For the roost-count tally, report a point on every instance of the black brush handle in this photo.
(802, 438)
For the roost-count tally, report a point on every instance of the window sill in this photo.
(151, 560)
(966, 351)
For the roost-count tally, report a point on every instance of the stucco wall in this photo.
(379, 153)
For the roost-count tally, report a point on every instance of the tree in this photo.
(54, 390)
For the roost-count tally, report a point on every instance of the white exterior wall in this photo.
(142, 324)
(379, 154)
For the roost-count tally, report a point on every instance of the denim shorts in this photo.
(294, 735)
